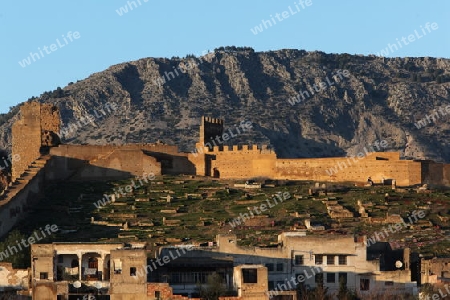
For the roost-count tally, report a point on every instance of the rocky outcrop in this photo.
(378, 99)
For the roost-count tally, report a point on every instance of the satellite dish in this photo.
(98, 285)
(398, 264)
(77, 284)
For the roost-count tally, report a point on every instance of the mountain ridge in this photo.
(380, 99)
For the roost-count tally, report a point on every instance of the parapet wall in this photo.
(244, 163)
(252, 162)
(346, 169)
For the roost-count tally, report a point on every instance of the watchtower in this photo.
(33, 134)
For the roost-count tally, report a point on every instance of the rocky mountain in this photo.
(304, 104)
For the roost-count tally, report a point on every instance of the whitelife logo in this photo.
(128, 189)
(379, 236)
(280, 17)
(391, 48)
(295, 281)
(245, 125)
(262, 208)
(49, 49)
(360, 155)
(31, 240)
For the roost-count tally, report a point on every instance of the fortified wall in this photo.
(247, 161)
(33, 133)
(86, 162)
(251, 161)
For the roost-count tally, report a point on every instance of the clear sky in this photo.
(166, 28)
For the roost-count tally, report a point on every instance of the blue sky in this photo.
(157, 28)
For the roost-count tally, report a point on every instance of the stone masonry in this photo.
(36, 127)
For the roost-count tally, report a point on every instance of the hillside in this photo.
(380, 99)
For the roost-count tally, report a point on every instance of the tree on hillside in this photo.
(10, 251)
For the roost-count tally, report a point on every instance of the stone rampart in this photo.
(37, 124)
(21, 195)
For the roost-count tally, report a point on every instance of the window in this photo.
(93, 263)
(342, 259)
(60, 259)
(269, 267)
(319, 280)
(132, 271)
(330, 259)
(43, 275)
(343, 279)
(364, 284)
(389, 283)
(331, 277)
(279, 267)
(157, 295)
(299, 260)
(271, 285)
(250, 275)
(117, 266)
(319, 259)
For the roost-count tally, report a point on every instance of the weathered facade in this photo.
(328, 261)
(13, 279)
(100, 269)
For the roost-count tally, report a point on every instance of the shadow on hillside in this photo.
(294, 145)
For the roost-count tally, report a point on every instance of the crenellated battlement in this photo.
(239, 149)
(212, 120)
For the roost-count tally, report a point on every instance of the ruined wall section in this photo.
(50, 118)
(26, 138)
(38, 126)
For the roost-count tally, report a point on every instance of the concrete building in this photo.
(72, 270)
(328, 261)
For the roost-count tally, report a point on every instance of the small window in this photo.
(250, 275)
(117, 266)
(279, 267)
(331, 277)
(364, 284)
(157, 295)
(60, 259)
(299, 260)
(342, 259)
(330, 259)
(43, 275)
(132, 271)
(271, 285)
(319, 259)
(269, 267)
(388, 283)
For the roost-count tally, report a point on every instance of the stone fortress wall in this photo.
(36, 128)
(247, 161)
(43, 159)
